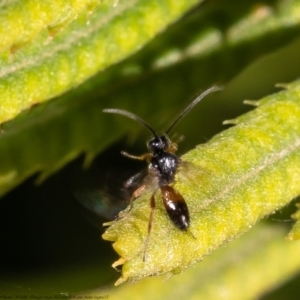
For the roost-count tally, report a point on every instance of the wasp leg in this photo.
(137, 193)
(173, 148)
(152, 205)
(146, 156)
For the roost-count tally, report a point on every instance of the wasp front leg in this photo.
(146, 156)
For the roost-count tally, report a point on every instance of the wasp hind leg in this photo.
(152, 205)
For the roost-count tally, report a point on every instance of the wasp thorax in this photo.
(158, 144)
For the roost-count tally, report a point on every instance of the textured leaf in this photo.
(25, 19)
(249, 173)
(246, 269)
(153, 79)
(220, 41)
(49, 67)
(295, 232)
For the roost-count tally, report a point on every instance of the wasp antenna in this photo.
(129, 115)
(196, 101)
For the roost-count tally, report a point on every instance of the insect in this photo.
(163, 165)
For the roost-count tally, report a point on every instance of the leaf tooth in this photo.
(121, 261)
(120, 280)
(231, 122)
(251, 102)
(89, 157)
(282, 85)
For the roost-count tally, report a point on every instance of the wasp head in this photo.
(159, 144)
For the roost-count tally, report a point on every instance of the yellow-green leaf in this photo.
(247, 268)
(294, 234)
(239, 176)
(22, 20)
(49, 66)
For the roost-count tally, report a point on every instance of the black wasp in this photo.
(163, 165)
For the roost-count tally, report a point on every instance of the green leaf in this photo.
(24, 20)
(152, 76)
(238, 177)
(50, 66)
(247, 268)
(247, 46)
(295, 232)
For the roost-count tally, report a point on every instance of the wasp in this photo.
(163, 164)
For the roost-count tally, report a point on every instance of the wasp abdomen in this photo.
(176, 207)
